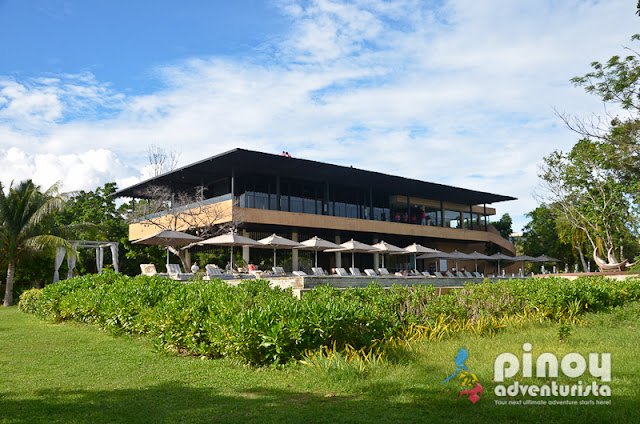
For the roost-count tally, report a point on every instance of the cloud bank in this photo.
(461, 93)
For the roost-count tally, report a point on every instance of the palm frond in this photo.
(48, 241)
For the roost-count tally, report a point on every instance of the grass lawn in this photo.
(69, 373)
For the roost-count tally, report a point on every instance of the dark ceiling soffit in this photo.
(292, 166)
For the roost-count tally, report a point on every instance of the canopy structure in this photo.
(277, 242)
(168, 238)
(354, 246)
(230, 239)
(416, 248)
(500, 257)
(385, 247)
(317, 244)
(479, 256)
(99, 246)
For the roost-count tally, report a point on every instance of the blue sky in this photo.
(456, 92)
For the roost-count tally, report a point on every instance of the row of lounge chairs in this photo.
(383, 272)
(212, 272)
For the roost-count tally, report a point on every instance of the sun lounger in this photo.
(449, 274)
(438, 274)
(176, 273)
(278, 271)
(370, 272)
(355, 272)
(478, 275)
(383, 271)
(426, 274)
(318, 272)
(341, 272)
(299, 273)
(468, 274)
(213, 272)
(150, 270)
(459, 274)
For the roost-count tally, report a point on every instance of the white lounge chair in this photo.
(468, 274)
(459, 274)
(176, 273)
(478, 275)
(426, 274)
(299, 273)
(318, 272)
(150, 270)
(383, 271)
(213, 272)
(341, 272)
(449, 274)
(355, 272)
(438, 274)
(278, 271)
(370, 272)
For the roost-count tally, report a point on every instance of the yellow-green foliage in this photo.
(261, 325)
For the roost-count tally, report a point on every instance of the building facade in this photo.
(299, 198)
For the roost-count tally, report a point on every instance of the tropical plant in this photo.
(22, 210)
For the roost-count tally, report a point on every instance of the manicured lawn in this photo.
(70, 373)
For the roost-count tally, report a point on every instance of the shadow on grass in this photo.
(177, 403)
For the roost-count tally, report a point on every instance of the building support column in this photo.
(485, 218)
(294, 252)
(442, 214)
(376, 257)
(245, 249)
(471, 217)
(338, 254)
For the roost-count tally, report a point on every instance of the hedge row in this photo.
(261, 325)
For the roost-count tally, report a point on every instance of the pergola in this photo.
(99, 246)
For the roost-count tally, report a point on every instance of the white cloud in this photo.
(462, 94)
(83, 171)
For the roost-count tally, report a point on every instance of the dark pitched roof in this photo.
(248, 161)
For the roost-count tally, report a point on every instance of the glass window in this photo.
(452, 219)
(296, 204)
(309, 206)
(284, 203)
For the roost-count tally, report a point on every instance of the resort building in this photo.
(297, 198)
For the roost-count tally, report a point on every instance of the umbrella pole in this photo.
(382, 260)
(352, 259)
(231, 258)
(274, 256)
(316, 251)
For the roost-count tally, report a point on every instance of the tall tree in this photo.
(543, 235)
(595, 186)
(22, 210)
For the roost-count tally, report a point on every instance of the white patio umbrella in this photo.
(277, 242)
(436, 255)
(354, 246)
(231, 239)
(416, 248)
(523, 259)
(168, 238)
(544, 259)
(479, 256)
(385, 247)
(459, 256)
(500, 257)
(317, 244)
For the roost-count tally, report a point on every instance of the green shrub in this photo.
(30, 301)
(263, 325)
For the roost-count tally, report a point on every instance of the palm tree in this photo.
(22, 209)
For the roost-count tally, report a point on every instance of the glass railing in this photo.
(185, 207)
